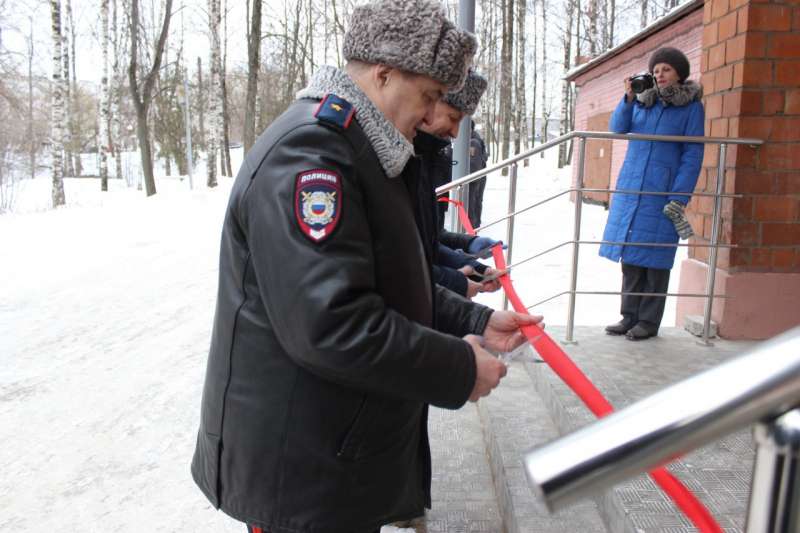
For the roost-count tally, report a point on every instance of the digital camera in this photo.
(641, 82)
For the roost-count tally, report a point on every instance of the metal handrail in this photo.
(582, 136)
(761, 384)
(590, 135)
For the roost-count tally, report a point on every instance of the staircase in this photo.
(533, 406)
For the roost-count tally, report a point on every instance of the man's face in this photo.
(446, 121)
(409, 101)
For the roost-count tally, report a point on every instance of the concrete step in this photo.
(516, 420)
(624, 371)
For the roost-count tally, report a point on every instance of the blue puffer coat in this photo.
(654, 166)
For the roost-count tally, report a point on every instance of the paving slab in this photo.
(625, 372)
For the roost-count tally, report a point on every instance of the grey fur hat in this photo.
(412, 35)
(467, 99)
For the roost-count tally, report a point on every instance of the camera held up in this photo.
(642, 82)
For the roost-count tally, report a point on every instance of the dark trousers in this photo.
(645, 311)
(476, 189)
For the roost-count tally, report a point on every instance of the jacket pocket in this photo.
(353, 437)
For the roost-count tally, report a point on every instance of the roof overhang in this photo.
(677, 13)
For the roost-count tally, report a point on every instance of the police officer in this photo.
(323, 356)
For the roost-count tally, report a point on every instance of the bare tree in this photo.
(57, 107)
(253, 64)
(223, 98)
(116, 85)
(521, 137)
(142, 94)
(566, 43)
(506, 78)
(105, 141)
(545, 107)
(215, 102)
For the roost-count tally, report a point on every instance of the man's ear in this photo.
(382, 74)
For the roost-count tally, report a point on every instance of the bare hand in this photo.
(503, 332)
(473, 288)
(489, 370)
(467, 270)
(629, 94)
(490, 286)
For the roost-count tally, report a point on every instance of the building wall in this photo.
(751, 71)
(600, 88)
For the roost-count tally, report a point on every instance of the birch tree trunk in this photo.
(214, 111)
(143, 94)
(116, 82)
(57, 125)
(566, 41)
(545, 113)
(66, 139)
(201, 103)
(253, 65)
(506, 77)
(104, 98)
(223, 98)
(521, 141)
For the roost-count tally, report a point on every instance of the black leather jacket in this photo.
(322, 359)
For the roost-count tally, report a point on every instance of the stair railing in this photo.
(461, 187)
(761, 386)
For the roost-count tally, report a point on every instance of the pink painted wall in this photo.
(763, 305)
(600, 88)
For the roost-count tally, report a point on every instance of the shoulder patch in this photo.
(318, 203)
(335, 111)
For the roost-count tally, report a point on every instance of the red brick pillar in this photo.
(750, 73)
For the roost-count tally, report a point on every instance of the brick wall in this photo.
(751, 73)
(600, 88)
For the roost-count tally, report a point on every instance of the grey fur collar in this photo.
(675, 94)
(392, 148)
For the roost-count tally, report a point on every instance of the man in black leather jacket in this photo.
(323, 357)
(450, 268)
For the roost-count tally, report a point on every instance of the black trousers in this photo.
(476, 189)
(644, 311)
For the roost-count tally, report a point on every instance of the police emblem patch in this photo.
(318, 203)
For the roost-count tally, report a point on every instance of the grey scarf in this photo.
(392, 148)
(675, 94)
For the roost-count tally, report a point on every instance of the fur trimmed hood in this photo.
(392, 148)
(675, 94)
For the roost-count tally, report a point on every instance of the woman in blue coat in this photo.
(672, 107)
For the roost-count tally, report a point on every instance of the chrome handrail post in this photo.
(512, 205)
(576, 237)
(455, 220)
(776, 476)
(712, 258)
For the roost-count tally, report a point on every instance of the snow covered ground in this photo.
(105, 312)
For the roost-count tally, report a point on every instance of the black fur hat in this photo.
(412, 35)
(672, 57)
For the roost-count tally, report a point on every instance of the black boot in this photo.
(638, 333)
(620, 328)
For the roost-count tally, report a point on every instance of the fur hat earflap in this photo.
(467, 99)
(412, 35)
(672, 57)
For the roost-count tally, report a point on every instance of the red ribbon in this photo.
(569, 372)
